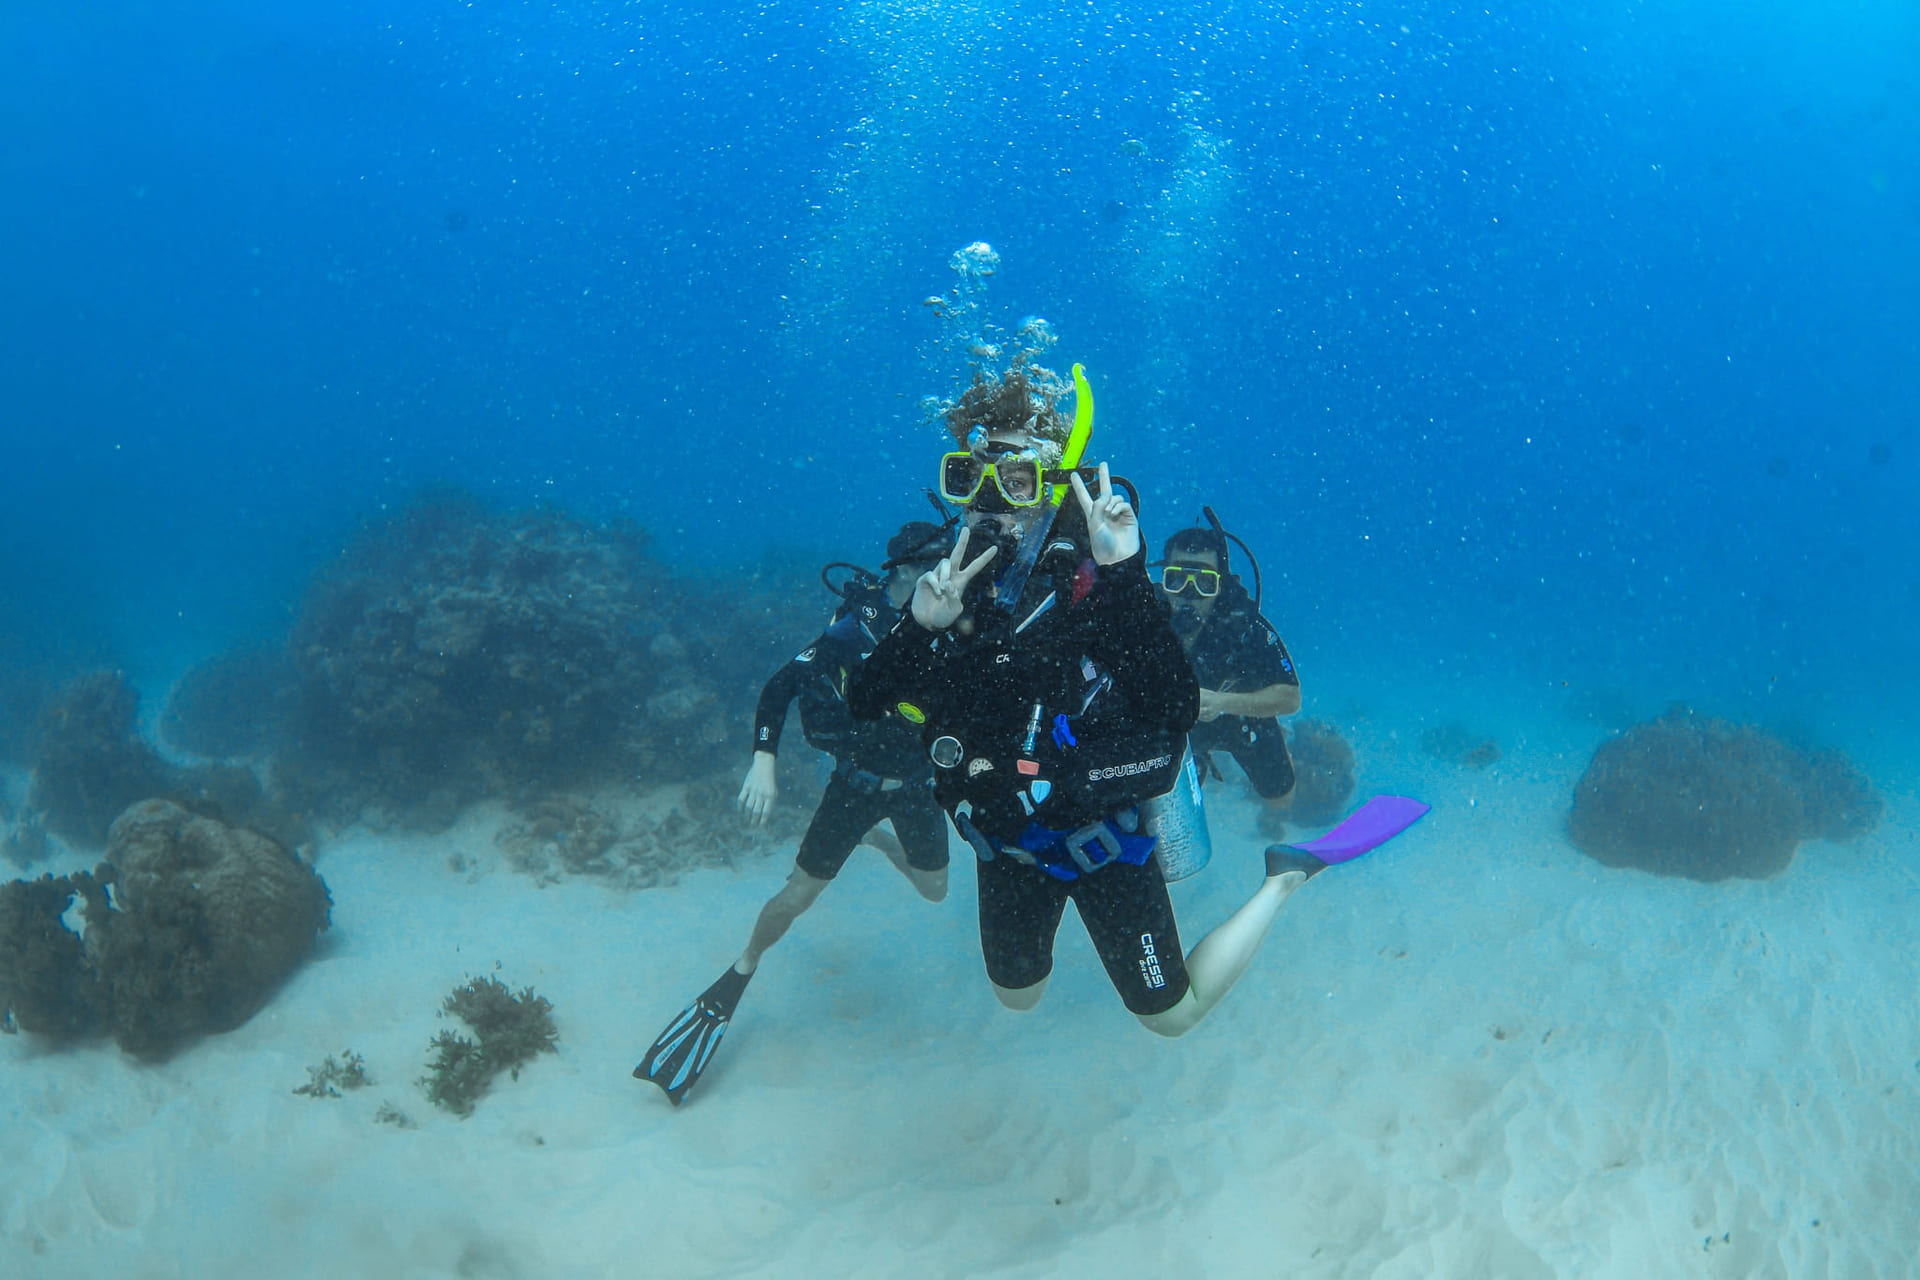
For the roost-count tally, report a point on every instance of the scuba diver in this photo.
(1247, 678)
(880, 774)
(1054, 700)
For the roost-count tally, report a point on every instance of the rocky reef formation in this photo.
(229, 706)
(1688, 795)
(24, 694)
(23, 841)
(92, 765)
(186, 930)
(1323, 772)
(91, 762)
(456, 653)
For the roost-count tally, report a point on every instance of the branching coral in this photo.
(512, 1030)
(23, 840)
(1687, 795)
(24, 695)
(349, 1072)
(1838, 800)
(457, 1074)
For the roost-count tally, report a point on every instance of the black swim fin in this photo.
(683, 1050)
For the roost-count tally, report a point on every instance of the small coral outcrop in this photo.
(1688, 795)
(203, 923)
(1452, 743)
(347, 1072)
(1323, 772)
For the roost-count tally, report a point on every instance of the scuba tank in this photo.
(1177, 819)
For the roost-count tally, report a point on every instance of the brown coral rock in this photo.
(212, 919)
(46, 985)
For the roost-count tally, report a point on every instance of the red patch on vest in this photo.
(1083, 579)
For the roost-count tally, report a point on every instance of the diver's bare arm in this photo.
(1281, 699)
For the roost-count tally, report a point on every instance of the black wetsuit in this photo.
(1239, 650)
(1045, 741)
(880, 769)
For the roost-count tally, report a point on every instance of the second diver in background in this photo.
(1247, 677)
(880, 774)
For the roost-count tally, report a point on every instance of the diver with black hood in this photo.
(1054, 699)
(880, 775)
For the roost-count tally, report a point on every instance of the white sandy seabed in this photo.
(1474, 1053)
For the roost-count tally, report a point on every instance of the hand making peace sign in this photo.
(939, 598)
(1113, 527)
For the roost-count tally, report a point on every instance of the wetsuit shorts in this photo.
(1125, 910)
(1260, 747)
(847, 811)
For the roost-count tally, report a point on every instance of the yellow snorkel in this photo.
(1082, 429)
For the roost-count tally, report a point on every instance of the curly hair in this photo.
(1026, 398)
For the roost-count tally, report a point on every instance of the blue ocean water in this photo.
(1574, 344)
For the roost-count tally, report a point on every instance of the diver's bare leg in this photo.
(1021, 999)
(1218, 960)
(931, 885)
(778, 915)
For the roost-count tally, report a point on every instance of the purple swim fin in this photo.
(1371, 825)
